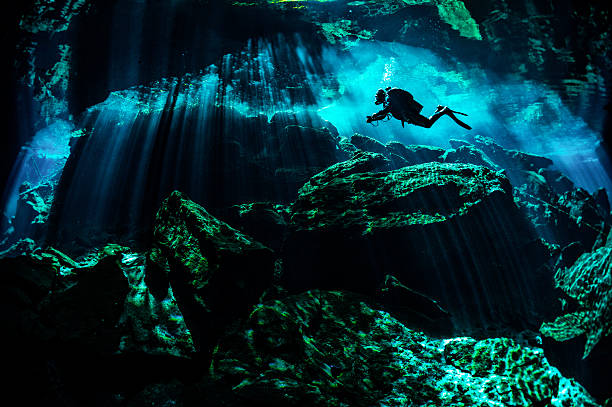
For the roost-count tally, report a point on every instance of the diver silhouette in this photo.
(401, 105)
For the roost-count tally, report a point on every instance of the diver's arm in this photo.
(379, 115)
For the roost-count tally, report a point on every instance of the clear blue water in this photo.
(340, 86)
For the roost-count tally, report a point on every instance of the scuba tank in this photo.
(403, 100)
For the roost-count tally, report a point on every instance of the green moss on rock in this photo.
(215, 271)
(332, 349)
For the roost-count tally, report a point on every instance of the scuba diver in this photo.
(401, 105)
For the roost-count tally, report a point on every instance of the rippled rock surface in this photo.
(332, 349)
(588, 282)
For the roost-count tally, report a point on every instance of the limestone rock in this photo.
(86, 310)
(573, 216)
(399, 154)
(349, 229)
(215, 272)
(589, 283)
(332, 349)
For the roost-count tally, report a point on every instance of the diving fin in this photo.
(451, 113)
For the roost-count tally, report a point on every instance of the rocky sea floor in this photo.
(399, 276)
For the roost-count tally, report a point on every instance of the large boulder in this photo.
(332, 349)
(449, 231)
(215, 271)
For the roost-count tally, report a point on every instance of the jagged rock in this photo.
(399, 154)
(216, 272)
(89, 324)
(433, 226)
(583, 211)
(347, 147)
(154, 325)
(102, 305)
(468, 155)
(416, 154)
(332, 349)
(398, 161)
(85, 312)
(369, 144)
(22, 247)
(589, 283)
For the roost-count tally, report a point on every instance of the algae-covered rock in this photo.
(449, 231)
(154, 325)
(332, 349)
(589, 283)
(215, 271)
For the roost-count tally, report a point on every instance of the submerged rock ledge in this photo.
(331, 349)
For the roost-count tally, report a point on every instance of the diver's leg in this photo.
(427, 122)
(440, 111)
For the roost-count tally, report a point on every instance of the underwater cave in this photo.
(275, 203)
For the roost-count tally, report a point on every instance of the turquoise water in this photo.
(284, 75)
